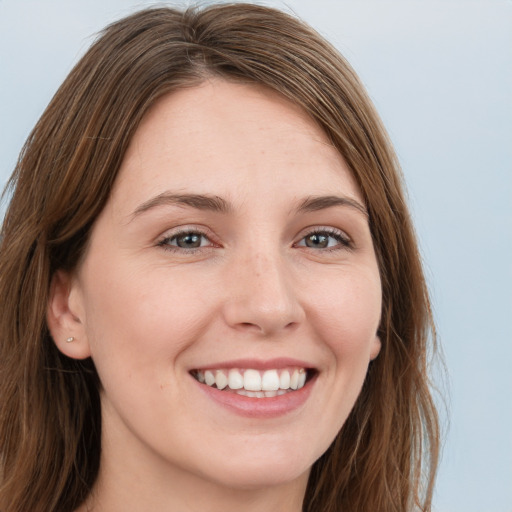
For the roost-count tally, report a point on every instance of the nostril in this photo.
(266, 328)
(249, 326)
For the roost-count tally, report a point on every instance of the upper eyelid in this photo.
(173, 233)
(331, 230)
(180, 230)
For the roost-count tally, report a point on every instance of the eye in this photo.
(330, 239)
(186, 240)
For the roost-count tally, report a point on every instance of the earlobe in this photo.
(65, 318)
(375, 349)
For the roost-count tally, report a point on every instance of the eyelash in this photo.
(343, 241)
(165, 243)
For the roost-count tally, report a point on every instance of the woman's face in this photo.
(235, 247)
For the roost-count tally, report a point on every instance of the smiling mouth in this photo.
(255, 383)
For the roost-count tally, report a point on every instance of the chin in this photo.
(258, 476)
(260, 469)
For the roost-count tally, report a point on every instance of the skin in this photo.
(148, 311)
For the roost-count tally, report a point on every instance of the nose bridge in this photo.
(262, 297)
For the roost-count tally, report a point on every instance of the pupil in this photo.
(317, 240)
(189, 240)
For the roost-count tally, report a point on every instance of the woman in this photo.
(211, 293)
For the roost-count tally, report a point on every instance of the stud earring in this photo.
(70, 339)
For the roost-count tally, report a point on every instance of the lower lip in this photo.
(251, 407)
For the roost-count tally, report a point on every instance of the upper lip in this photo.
(257, 364)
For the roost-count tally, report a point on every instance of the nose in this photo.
(262, 297)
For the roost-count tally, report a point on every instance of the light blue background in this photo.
(440, 73)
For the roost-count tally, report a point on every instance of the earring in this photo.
(70, 339)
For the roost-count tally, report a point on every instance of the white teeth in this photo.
(209, 378)
(254, 383)
(294, 379)
(235, 379)
(284, 380)
(270, 381)
(221, 380)
(252, 380)
(262, 394)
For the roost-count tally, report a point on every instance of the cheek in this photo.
(138, 324)
(348, 314)
(141, 315)
(345, 315)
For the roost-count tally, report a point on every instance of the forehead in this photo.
(233, 140)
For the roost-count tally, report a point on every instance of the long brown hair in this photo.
(385, 456)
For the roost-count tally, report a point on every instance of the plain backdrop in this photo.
(440, 74)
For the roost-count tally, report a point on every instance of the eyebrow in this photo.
(316, 203)
(218, 204)
(198, 201)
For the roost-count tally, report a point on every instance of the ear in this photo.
(375, 348)
(65, 316)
